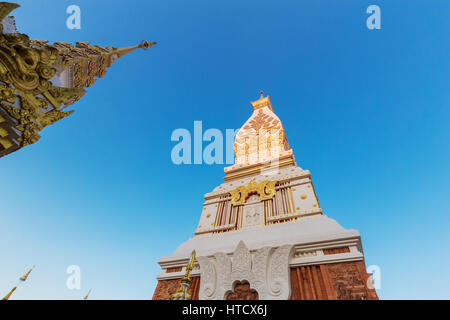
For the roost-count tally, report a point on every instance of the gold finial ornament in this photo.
(39, 80)
(22, 279)
(183, 292)
(87, 295)
(25, 276)
(189, 267)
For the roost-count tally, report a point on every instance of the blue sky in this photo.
(366, 111)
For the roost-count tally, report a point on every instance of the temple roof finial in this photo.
(145, 44)
(262, 102)
(25, 276)
(117, 53)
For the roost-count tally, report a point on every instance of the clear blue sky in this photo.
(367, 112)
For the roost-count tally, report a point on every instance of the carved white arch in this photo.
(266, 270)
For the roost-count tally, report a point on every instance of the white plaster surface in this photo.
(316, 228)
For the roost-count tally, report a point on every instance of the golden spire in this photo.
(117, 53)
(87, 295)
(183, 292)
(25, 276)
(22, 279)
(189, 267)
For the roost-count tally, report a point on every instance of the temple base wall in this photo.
(335, 281)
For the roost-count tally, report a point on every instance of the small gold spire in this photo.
(189, 267)
(25, 276)
(117, 53)
(22, 279)
(183, 292)
(262, 94)
(9, 294)
(87, 295)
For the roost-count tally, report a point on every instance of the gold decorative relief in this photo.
(7, 94)
(265, 189)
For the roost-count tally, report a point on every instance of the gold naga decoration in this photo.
(265, 189)
(183, 292)
(39, 80)
(22, 279)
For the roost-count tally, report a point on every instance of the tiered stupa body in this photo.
(262, 233)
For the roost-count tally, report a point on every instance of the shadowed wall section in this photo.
(337, 281)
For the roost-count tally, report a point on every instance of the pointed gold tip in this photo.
(189, 267)
(87, 295)
(25, 276)
(117, 53)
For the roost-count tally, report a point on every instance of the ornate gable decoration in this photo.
(39, 80)
(265, 189)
